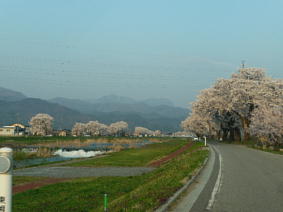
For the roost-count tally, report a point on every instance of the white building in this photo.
(13, 130)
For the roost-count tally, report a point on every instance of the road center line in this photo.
(217, 183)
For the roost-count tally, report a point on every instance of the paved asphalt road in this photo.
(249, 181)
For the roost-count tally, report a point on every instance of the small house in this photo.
(13, 130)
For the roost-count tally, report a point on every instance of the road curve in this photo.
(251, 181)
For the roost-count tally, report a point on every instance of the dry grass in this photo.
(87, 142)
(116, 147)
(42, 152)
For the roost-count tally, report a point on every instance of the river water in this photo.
(69, 153)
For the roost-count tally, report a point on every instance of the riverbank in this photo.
(144, 192)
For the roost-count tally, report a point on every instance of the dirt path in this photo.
(36, 184)
(170, 156)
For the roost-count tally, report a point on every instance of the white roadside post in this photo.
(6, 168)
(204, 140)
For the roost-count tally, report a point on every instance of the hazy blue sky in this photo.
(137, 48)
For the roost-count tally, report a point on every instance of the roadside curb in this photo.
(164, 207)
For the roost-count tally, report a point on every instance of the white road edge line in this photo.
(217, 183)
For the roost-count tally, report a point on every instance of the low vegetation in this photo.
(137, 193)
(134, 157)
(32, 140)
(258, 145)
(19, 155)
(70, 140)
(42, 152)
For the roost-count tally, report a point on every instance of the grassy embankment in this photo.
(134, 157)
(253, 144)
(137, 193)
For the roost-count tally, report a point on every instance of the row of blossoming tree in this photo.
(41, 125)
(248, 104)
(94, 128)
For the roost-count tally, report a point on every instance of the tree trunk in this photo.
(237, 134)
(225, 134)
(232, 134)
(246, 130)
(245, 135)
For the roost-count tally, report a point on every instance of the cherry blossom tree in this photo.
(267, 124)
(118, 128)
(79, 129)
(41, 124)
(93, 128)
(196, 124)
(157, 133)
(142, 131)
(104, 130)
(226, 109)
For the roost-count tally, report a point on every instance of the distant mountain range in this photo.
(114, 103)
(151, 113)
(21, 111)
(9, 95)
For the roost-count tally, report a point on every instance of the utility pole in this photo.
(243, 64)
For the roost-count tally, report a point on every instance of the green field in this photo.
(134, 157)
(138, 193)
